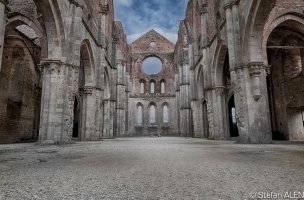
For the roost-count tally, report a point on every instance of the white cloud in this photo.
(140, 16)
(126, 3)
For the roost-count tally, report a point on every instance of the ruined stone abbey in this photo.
(67, 73)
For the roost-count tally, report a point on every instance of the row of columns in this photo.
(248, 82)
(60, 87)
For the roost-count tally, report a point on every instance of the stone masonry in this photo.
(67, 73)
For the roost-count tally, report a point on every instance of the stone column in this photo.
(104, 10)
(127, 108)
(177, 104)
(3, 13)
(258, 104)
(238, 79)
(249, 83)
(121, 97)
(88, 115)
(203, 11)
(55, 120)
(98, 113)
(185, 110)
(108, 131)
(220, 121)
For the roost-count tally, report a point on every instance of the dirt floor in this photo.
(151, 168)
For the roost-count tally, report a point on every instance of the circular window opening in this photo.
(152, 66)
(153, 44)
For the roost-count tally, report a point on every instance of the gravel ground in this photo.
(149, 168)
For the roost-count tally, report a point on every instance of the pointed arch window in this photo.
(152, 88)
(142, 88)
(162, 87)
(139, 115)
(165, 114)
(152, 114)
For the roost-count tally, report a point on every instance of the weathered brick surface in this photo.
(152, 44)
(82, 54)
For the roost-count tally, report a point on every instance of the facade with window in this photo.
(153, 92)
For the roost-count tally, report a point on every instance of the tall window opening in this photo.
(152, 115)
(165, 114)
(152, 88)
(162, 87)
(139, 117)
(142, 88)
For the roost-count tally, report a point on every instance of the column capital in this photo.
(104, 9)
(203, 8)
(217, 88)
(267, 69)
(52, 64)
(121, 61)
(88, 90)
(255, 68)
(77, 3)
(229, 3)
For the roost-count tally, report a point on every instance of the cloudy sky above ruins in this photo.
(139, 16)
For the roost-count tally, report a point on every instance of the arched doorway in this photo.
(285, 81)
(76, 120)
(222, 90)
(83, 109)
(234, 132)
(19, 86)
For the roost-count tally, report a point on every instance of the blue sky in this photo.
(139, 16)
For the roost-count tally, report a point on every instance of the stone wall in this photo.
(152, 44)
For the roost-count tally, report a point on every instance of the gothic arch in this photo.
(165, 112)
(88, 63)
(152, 113)
(295, 19)
(53, 23)
(282, 44)
(218, 67)
(19, 19)
(253, 35)
(139, 116)
(19, 78)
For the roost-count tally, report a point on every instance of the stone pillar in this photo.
(104, 10)
(121, 97)
(113, 99)
(88, 115)
(185, 100)
(203, 8)
(127, 108)
(220, 115)
(249, 83)
(108, 126)
(55, 121)
(3, 13)
(98, 113)
(258, 105)
(238, 79)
